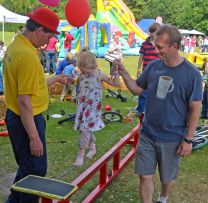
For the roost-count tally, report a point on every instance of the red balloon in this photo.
(77, 12)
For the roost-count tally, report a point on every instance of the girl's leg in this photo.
(84, 140)
(92, 147)
(80, 157)
(48, 59)
(54, 60)
(111, 68)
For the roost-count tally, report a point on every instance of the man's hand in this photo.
(36, 146)
(184, 149)
(118, 67)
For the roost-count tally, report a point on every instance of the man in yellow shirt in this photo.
(26, 97)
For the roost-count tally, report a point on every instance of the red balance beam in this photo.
(101, 166)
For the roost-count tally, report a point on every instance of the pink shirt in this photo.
(51, 46)
(187, 42)
(193, 42)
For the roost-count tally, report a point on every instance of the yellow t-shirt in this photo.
(23, 74)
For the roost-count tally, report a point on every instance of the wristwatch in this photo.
(188, 141)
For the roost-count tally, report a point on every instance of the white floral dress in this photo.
(89, 102)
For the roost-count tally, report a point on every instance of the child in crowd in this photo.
(62, 64)
(70, 71)
(205, 67)
(89, 101)
(2, 52)
(204, 112)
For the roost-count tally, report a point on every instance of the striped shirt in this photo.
(148, 51)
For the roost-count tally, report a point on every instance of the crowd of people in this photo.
(190, 43)
(49, 53)
(168, 85)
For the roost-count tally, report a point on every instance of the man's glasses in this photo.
(47, 30)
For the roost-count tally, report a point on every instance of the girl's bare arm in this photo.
(111, 80)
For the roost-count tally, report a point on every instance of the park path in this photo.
(5, 184)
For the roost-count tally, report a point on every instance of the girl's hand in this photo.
(70, 80)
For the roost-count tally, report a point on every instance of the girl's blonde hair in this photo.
(86, 60)
(69, 56)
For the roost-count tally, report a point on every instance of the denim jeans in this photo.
(1, 82)
(142, 101)
(111, 68)
(51, 58)
(28, 164)
(204, 112)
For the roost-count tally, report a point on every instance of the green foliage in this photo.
(136, 7)
(186, 14)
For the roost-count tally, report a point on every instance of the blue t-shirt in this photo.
(167, 107)
(61, 66)
(69, 70)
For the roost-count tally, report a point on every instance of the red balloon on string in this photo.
(51, 3)
(77, 12)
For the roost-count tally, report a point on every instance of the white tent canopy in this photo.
(191, 32)
(7, 16)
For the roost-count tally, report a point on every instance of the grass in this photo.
(192, 183)
(7, 37)
(191, 186)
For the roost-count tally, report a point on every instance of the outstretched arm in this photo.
(114, 80)
(129, 81)
(140, 61)
(58, 78)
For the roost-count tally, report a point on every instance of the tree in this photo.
(136, 7)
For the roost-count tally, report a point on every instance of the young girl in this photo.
(89, 101)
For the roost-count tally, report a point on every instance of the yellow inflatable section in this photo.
(195, 58)
(123, 14)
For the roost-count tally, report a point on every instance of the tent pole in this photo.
(3, 29)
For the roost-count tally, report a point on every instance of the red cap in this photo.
(45, 17)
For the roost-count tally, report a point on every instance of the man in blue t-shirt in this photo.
(172, 111)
